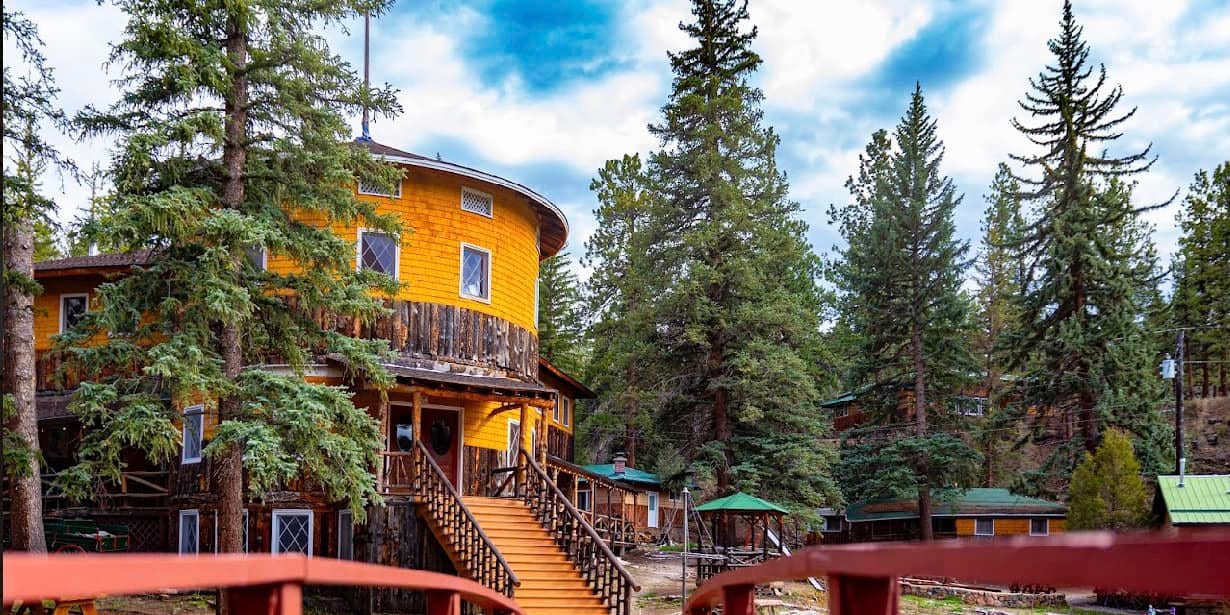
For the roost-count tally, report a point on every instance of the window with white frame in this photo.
(245, 530)
(583, 500)
(194, 433)
(345, 534)
(984, 527)
(568, 406)
(475, 272)
(477, 202)
(378, 252)
(257, 257)
(514, 443)
(1039, 527)
(72, 308)
(189, 532)
(374, 188)
(292, 531)
(652, 517)
(841, 411)
(971, 406)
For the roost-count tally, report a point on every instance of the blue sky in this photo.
(544, 92)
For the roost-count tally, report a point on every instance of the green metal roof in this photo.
(1201, 499)
(980, 501)
(631, 475)
(740, 502)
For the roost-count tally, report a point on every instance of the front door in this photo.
(442, 438)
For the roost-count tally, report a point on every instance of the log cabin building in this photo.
(978, 513)
(477, 426)
(848, 412)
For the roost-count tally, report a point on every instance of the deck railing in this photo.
(253, 583)
(443, 505)
(398, 475)
(863, 578)
(593, 558)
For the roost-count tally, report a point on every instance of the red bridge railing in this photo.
(265, 584)
(862, 578)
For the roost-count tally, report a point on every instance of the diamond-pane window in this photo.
(475, 273)
(189, 532)
(377, 189)
(378, 252)
(477, 202)
(292, 531)
(345, 534)
(194, 433)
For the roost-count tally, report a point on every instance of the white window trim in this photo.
(358, 251)
(464, 190)
(195, 514)
(64, 296)
(264, 259)
(570, 405)
(396, 194)
(461, 268)
(1047, 532)
(345, 512)
(196, 409)
(508, 437)
(557, 413)
(274, 543)
(652, 505)
(977, 533)
(588, 499)
(246, 533)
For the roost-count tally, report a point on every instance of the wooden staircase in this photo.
(550, 583)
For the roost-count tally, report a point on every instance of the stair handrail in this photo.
(488, 548)
(617, 595)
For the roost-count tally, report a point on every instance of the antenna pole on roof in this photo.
(367, 75)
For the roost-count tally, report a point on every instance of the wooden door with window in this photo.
(441, 434)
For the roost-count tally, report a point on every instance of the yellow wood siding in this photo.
(47, 305)
(430, 258)
(1008, 526)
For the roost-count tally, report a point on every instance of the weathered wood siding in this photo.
(396, 536)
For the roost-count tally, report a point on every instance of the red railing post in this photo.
(739, 600)
(442, 602)
(851, 595)
(276, 599)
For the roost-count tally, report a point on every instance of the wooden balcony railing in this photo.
(585, 548)
(862, 578)
(398, 474)
(253, 583)
(449, 514)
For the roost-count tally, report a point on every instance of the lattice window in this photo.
(194, 433)
(345, 534)
(367, 186)
(72, 309)
(189, 532)
(475, 273)
(292, 531)
(477, 202)
(378, 252)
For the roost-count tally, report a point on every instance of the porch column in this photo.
(525, 433)
(384, 430)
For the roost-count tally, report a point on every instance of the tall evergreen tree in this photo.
(740, 314)
(560, 324)
(1087, 262)
(231, 137)
(620, 294)
(999, 275)
(1201, 300)
(901, 276)
(29, 109)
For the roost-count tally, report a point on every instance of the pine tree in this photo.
(1079, 335)
(739, 315)
(231, 137)
(29, 108)
(560, 324)
(998, 273)
(1201, 300)
(901, 276)
(620, 295)
(1107, 491)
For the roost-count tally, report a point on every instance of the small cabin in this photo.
(979, 513)
(1193, 501)
(614, 492)
(848, 409)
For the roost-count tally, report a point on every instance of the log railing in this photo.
(443, 505)
(863, 578)
(584, 547)
(252, 583)
(398, 475)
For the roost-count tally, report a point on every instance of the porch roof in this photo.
(496, 386)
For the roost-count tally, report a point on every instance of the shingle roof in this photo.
(975, 502)
(1201, 500)
(631, 475)
(122, 259)
(740, 502)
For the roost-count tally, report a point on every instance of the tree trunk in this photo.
(26, 496)
(234, 160)
(630, 420)
(920, 418)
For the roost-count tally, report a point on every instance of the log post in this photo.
(416, 424)
(524, 432)
(384, 430)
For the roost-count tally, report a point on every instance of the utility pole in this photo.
(683, 593)
(1178, 405)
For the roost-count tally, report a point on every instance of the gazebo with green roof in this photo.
(725, 515)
